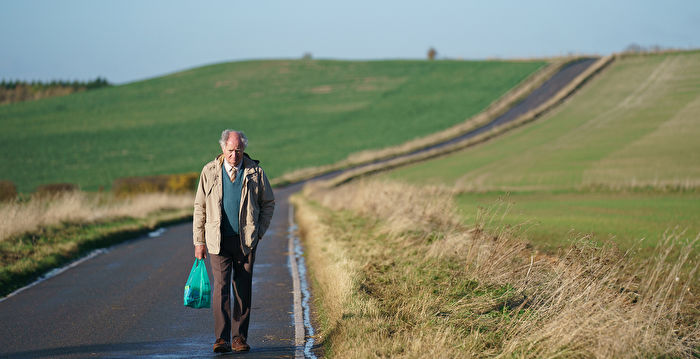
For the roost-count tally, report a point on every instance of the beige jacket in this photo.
(257, 205)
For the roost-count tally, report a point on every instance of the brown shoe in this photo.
(221, 346)
(239, 345)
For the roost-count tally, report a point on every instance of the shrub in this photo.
(133, 185)
(176, 183)
(55, 188)
(182, 183)
(8, 191)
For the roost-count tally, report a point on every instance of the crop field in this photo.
(619, 159)
(296, 114)
(632, 220)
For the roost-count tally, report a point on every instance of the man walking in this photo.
(232, 210)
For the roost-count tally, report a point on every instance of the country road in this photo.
(127, 301)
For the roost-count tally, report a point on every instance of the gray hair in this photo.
(227, 133)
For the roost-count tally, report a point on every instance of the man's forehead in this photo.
(234, 145)
(234, 141)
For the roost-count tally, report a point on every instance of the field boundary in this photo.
(530, 116)
(496, 108)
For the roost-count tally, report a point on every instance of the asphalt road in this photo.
(537, 97)
(127, 302)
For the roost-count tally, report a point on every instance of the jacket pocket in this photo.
(212, 232)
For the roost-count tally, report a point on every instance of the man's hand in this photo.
(200, 251)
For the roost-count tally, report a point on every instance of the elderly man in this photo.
(232, 210)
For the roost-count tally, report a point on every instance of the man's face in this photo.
(233, 149)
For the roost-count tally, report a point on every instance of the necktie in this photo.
(232, 174)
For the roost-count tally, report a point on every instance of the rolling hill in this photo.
(296, 114)
(620, 159)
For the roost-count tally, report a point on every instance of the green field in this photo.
(296, 113)
(621, 158)
(632, 220)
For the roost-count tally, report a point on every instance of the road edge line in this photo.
(296, 285)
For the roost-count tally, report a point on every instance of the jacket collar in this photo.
(247, 161)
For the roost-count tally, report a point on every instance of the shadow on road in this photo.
(156, 349)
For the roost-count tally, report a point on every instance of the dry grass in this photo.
(335, 281)
(633, 185)
(45, 231)
(418, 283)
(20, 217)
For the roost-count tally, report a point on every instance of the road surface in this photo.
(128, 302)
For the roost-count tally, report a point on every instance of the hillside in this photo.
(296, 113)
(505, 254)
(636, 125)
(631, 133)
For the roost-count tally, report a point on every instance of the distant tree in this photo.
(306, 56)
(656, 48)
(432, 53)
(16, 90)
(634, 48)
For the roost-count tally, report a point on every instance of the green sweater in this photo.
(231, 202)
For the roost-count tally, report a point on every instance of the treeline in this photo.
(17, 91)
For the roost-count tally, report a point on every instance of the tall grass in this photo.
(20, 217)
(425, 285)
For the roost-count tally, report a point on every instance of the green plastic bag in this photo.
(197, 288)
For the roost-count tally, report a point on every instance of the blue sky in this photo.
(128, 40)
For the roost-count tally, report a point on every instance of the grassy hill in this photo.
(620, 159)
(296, 114)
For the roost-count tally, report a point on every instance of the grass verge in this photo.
(397, 274)
(70, 225)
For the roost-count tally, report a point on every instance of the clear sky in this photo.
(128, 40)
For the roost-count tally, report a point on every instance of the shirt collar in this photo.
(228, 167)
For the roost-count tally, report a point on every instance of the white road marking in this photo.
(56, 271)
(302, 312)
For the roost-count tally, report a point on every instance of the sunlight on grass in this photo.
(619, 160)
(296, 114)
(625, 218)
(397, 273)
(633, 126)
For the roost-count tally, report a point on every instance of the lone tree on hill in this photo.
(432, 53)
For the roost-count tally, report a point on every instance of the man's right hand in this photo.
(200, 251)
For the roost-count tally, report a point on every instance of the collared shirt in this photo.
(231, 170)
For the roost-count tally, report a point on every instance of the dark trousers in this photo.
(227, 266)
